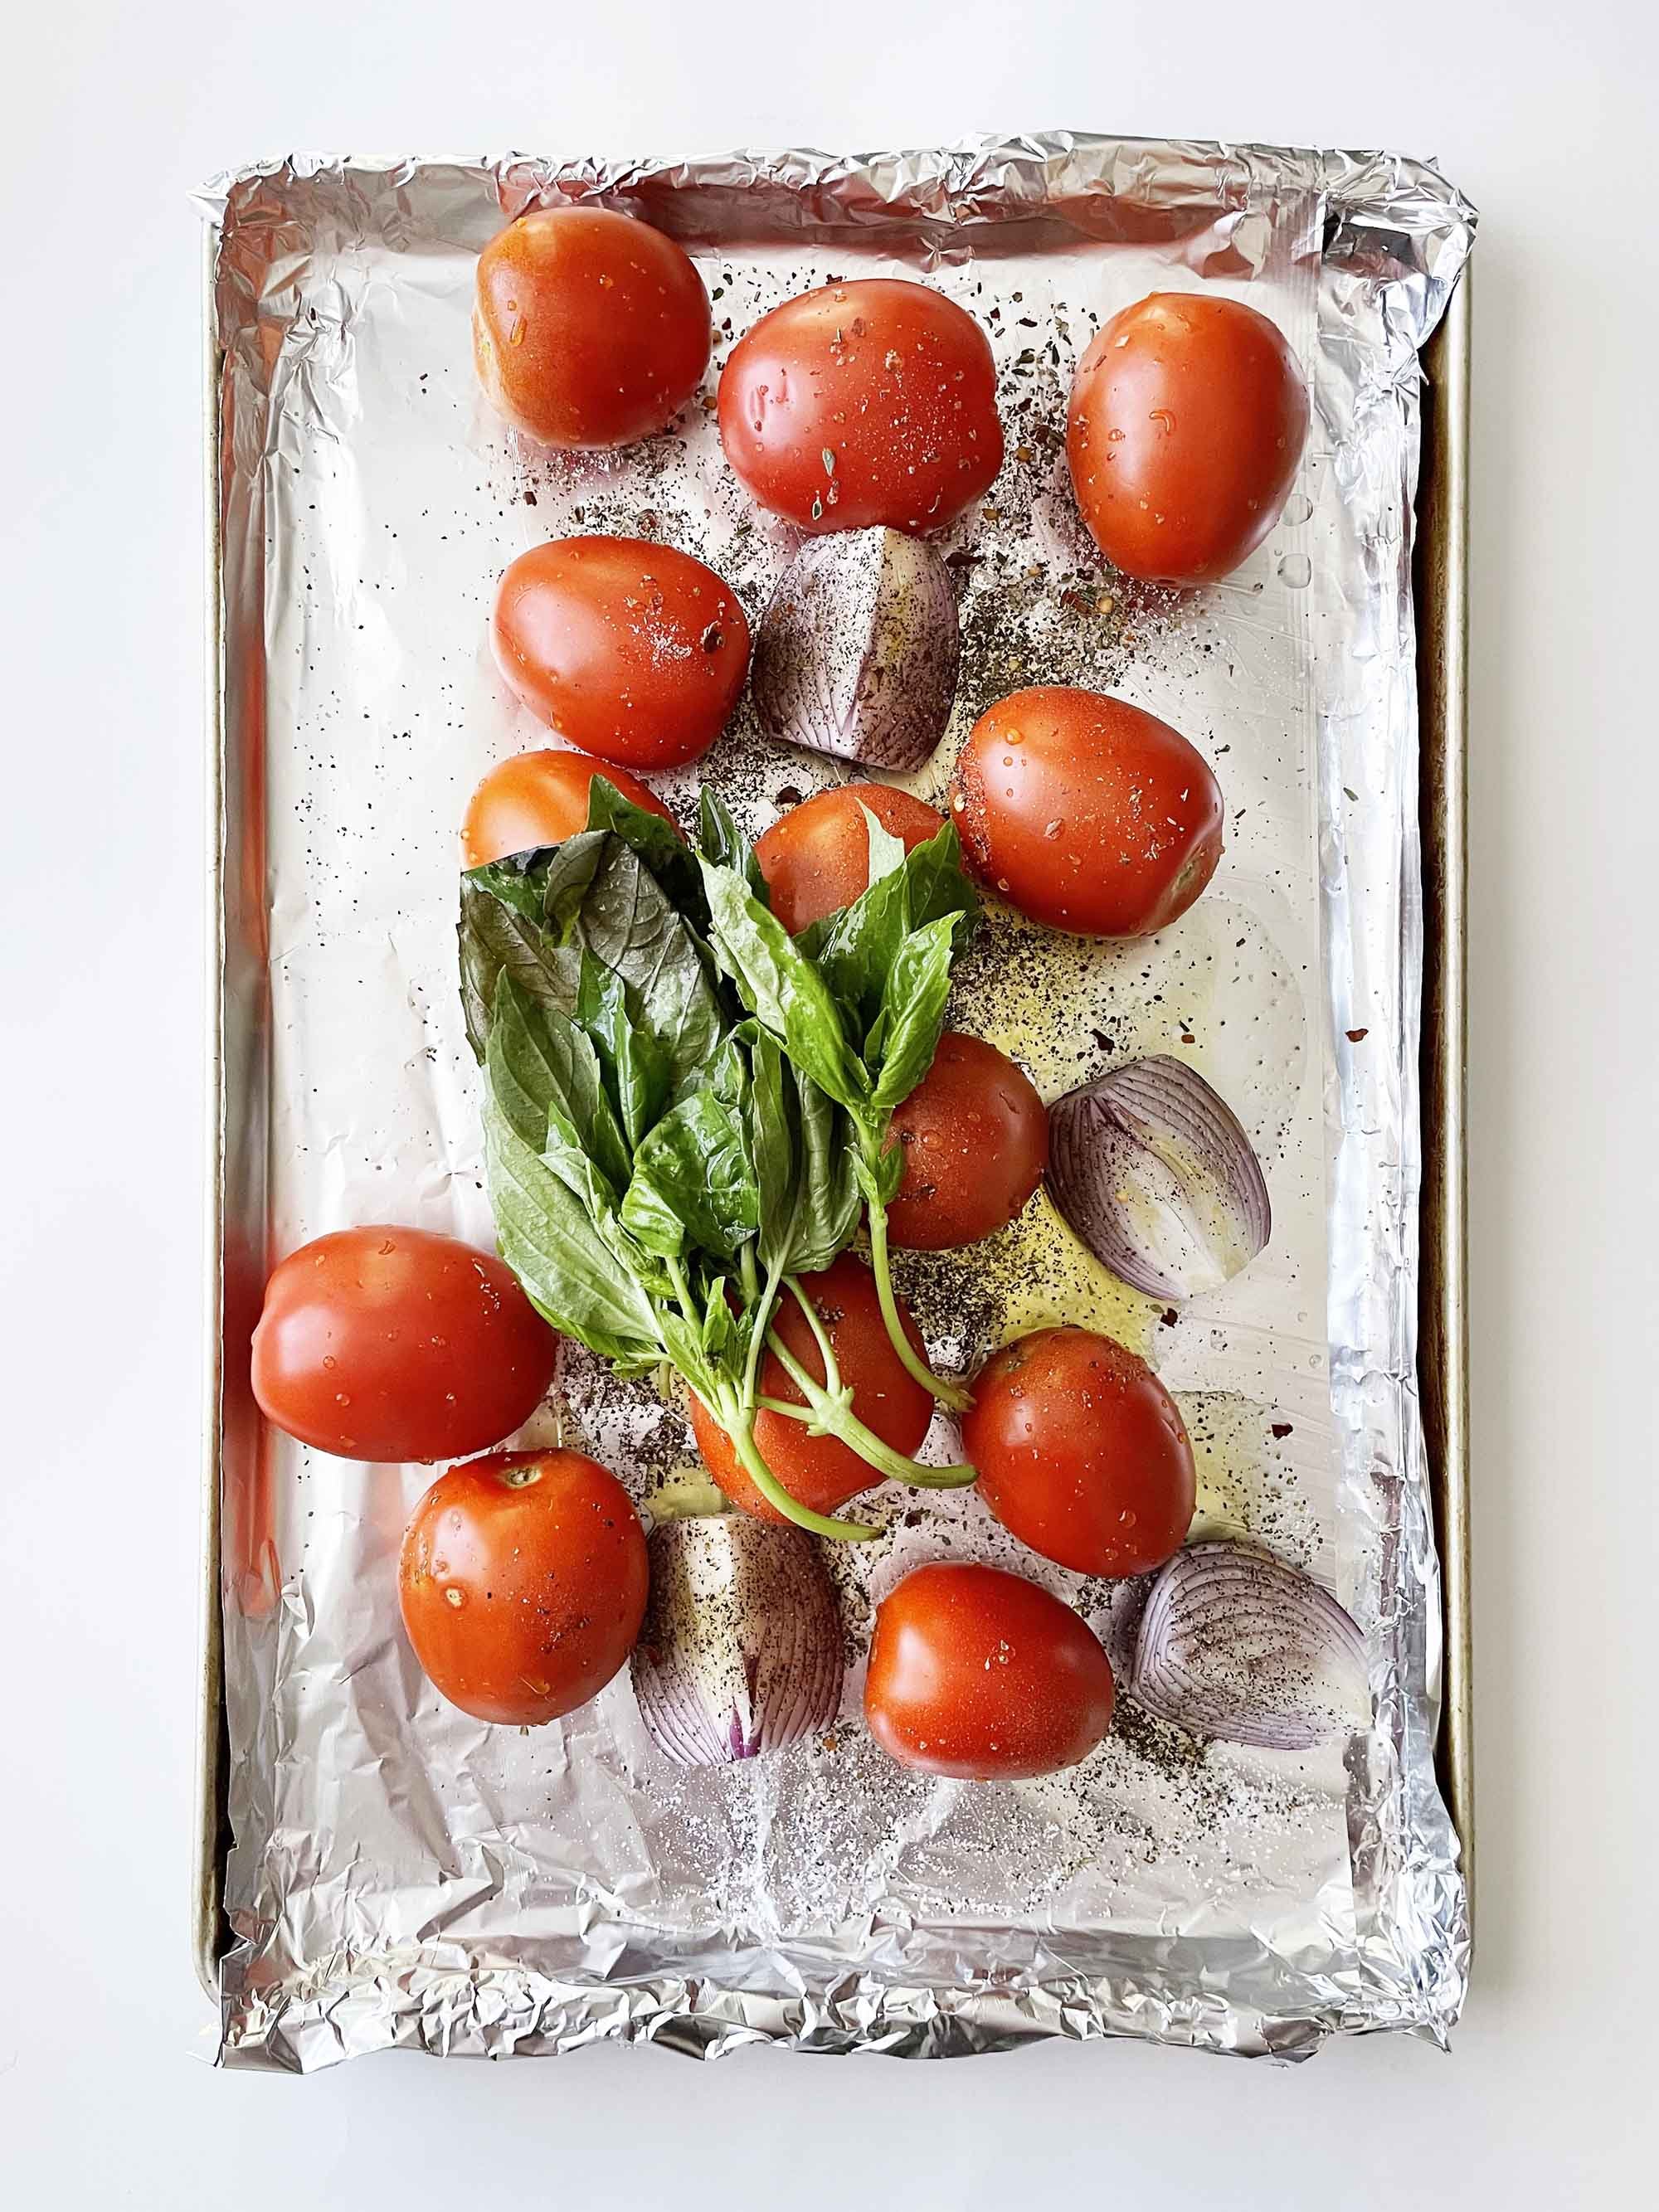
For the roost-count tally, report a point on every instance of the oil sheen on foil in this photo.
(401, 1875)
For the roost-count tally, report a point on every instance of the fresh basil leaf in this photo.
(939, 883)
(863, 940)
(568, 876)
(721, 841)
(719, 1323)
(568, 1272)
(651, 839)
(782, 986)
(683, 1339)
(631, 927)
(495, 939)
(545, 1074)
(826, 1206)
(913, 1011)
(772, 1140)
(886, 852)
(694, 1179)
(878, 1181)
(518, 882)
(638, 1074)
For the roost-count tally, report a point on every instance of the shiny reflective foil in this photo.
(402, 1874)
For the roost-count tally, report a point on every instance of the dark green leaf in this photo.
(545, 1075)
(518, 882)
(569, 873)
(637, 1070)
(913, 1011)
(548, 1239)
(689, 1353)
(497, 938)
(782, 986)
(653, 841)
(631, 928)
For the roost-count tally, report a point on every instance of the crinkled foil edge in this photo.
(1396, 226)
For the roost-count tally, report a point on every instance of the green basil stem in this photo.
(951, 1395)
(738, 1422)
(828, 1411)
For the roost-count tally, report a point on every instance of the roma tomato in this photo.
(979, 1673)
(590, 329)
(1086, 813)
(1081, 1453)
(541, 799)
(822, 1472)
(1186, 422)
(523, 1581)
(976, 1140)
(396, 1344)
(635, 652)
(862, 403)
(815, 858)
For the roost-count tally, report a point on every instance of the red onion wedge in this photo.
(1151, 1169)
(1234, 1643)
(741, 1648)
(857, 653)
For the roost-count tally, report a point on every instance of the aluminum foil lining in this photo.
(402, 1875)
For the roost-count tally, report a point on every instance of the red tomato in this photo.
(396, 1344)
(523, 1582)
(863, 403)
(980, 1674)
(635, 652)
(821, 1472)
(590, 329)
(1081, 1453)
(1186, 422)
(816, 856)
(975, 1139)
(541, 799)
(1085, 812)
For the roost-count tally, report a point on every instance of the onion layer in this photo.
(741, 1648)
(1234, 1643)
(857, 653)
(1152, 1171)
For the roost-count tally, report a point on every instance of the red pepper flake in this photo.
(1281, 1428)
(1168, 1318)
(1358, 1036)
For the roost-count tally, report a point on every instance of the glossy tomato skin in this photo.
(975, 1135)
(396, 1344)
(589, 329)
(1086, 813)
(1081, 1452)
(523, 1581)
(864, 403)
(541, 799)
(1186, 427)
(821, 1472)
(635, 652)
(815, 858)
(980, 1674)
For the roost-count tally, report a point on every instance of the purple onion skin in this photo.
(740, 1651)
(1234, 1643)
(1100, 1149)
(857, 653)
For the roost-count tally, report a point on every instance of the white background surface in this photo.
(1545, 116)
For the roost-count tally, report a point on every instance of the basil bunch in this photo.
(686, 1109)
